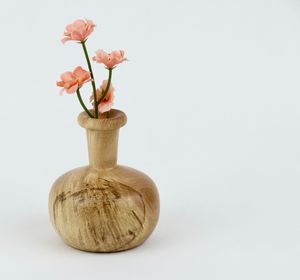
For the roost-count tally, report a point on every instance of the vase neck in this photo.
(103, 136)
(103, 148)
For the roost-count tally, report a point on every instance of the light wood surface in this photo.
(104, 207)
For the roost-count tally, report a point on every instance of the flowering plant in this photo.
(72, 81)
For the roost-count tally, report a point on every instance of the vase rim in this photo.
(116, 120)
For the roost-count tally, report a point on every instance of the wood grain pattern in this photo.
(104, 207)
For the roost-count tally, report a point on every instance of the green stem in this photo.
(92, 77)
(82, 104)
(107, 86)
(108, 114)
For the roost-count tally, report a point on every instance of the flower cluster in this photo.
(72, 81)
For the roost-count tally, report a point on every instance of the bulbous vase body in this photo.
(104, 207)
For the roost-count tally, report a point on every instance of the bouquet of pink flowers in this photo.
(72, 81)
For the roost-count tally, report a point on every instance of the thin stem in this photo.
(108, 114)
(82, 104)
(107, 86)
(92, 77)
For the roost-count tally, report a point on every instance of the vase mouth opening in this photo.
(116, 120)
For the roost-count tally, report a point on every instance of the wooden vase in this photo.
(104, 207)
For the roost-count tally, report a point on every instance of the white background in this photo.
(212, 96)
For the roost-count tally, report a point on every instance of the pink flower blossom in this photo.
(107, 102)
(79, 30)
(110, 60)
(71, 81)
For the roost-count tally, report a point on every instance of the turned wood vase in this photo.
(104, 207)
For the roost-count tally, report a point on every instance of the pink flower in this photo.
(79, 30)
(110, 60)
(107, 102)
(71, 81)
